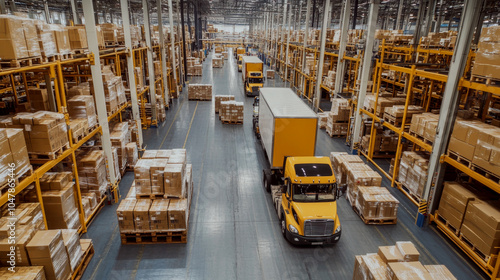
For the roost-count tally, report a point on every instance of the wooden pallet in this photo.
(447, 224)
(378, 221)
(460, 159)
(28, 171)
(199, 99)
(88, 254)
(80, 51)
(154, 237)
(469, 244)
(490, 175)
(21, 62)
(395, 121)
(150, 196)
(49, 156)
(421, 138)
(232, 122)
(410, 193)
(96, 210)
(485, 80)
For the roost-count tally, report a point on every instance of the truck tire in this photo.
(266, 181)
(283, 226)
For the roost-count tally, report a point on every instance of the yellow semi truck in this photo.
(252, 75)
(303, 186)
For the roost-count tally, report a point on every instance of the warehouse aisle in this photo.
(233, 229)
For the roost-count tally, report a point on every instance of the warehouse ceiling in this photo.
(243, 12)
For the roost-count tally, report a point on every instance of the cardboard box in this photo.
(390, 254)
(454, 201)
(439, 272)
(125, 214)
(46, 249)
(174, 175)
(408, 271)
(23, 273)
(158, 214)
(141, 214)
(178, 214)
(71, 240)
(77, 37)
(12, 38)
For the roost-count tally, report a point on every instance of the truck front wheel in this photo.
(283, 226)
(266, 181)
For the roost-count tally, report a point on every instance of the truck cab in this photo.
(254, 82)
(309, 202)
(240, 59)
(252, 74)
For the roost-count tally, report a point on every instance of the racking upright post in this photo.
(319, 72)
(398, 25)
(172, 44)
(339, 77)
(306, 35)
(100, 100)
(289, 27)
(450, 101)
(285, 6)
(151, 70)
(76, 19)
(365, 71)
(3, 9)
(163, 54)
(130, 69)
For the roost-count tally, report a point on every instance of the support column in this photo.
(76, 19)
(418, 25)
(151, 72)
(366, 67)
(437, 27)
(163, 53)
(398, 24)
(431, 8)
(136, 115)
(179, 31)
(172, 44)
(450, 102)
(288, 42)
(319, 72)
(285, 6)
(306, 34)
(355, 14)
(100, 100)
(48, 18)
(339, 75)
(3, 8)
(183, 38)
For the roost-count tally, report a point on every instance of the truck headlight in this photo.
(337, 230)
(293, 229)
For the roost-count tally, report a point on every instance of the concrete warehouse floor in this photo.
(233, 227)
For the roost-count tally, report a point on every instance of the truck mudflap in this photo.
(312, 240)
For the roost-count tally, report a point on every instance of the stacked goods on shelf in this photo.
(92, 174)
(132, 154)
(23, 273)
(120, 137)
(270, 74)
(338, 118)
(310, 65)
(45, 132)
(82, 115)
(140, 212)
(109, 32)
(62, 39)
(487, 61)
(217, 62)
(77, 37)
(194, 66)
(394, 115)
(116, 165)
(397, 262)
(477, 143)
(441, 39)
(16, 37)
(58, 197)
(393, 37)
(13, 151)
(413, 172)
(28, 219)
(382, 103)
(114, 91)
(139, 77)
(481, 226)
(453, 204)
(47, 249)
(89, 203)
(38, 98)
(71, 240)
(323, 117)
(46, 39)
(225, 54)
(329, 81)
(200, 92)
(385, 141)
(80, 89)
(231, 112)
(157, 69)
(424, 125)
(219, 99)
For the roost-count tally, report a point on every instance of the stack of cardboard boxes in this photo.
(13, 151)
(441, 39)
(382, 103)
(132, 154)
(338, 118)
(47, 249)
(120, 137)
(376, 203)
(23, 273)
(385, 142)
(165, 174)
(92, 173)
(109, 33)
(17, 38)
(323, 119)
(77, 37)
(329, 81)
(38, 99)
(397, 263)
(478, 143)
(424, 125)
(71, 240)
(231, 112)
(194, 66)
(82, 111)
(413, 171)
(394, 114)
(270, 74)
(219, 99)
(487, 62)
(46, 39)
(114, 91)
(200, 92)
(217, 62)
(62, 39)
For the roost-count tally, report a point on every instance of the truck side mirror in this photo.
(341, 189)
(283, 189)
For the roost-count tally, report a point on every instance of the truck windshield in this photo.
(239, 62)
(255, 80)
(314, 192)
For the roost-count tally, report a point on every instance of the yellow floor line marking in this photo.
(172, 123)
(106, 251)
(190, 124)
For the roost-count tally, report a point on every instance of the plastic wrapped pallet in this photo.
(62, 38)
(12, 38)
(13, 150)
(231, 111)
(376, 203)
(339, 163)
(174, 180)
(47, 248)
(23, 273)
(92, 173)
(217, 62)
(323, 117)
(46, 39)
(413, 171)
(71, 240)
(439, 272)
(80, 89)
(119, 140)
(200, 92)
(77, 37)
(270, 74)
(219, 98)
(487, 61)
(132, 153)
(82, 107)
(370, 266)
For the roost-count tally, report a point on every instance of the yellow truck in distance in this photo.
(237, 55)
(252, 75)
(303, 187)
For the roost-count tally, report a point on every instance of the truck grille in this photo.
(318, 227)
(255, 90)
